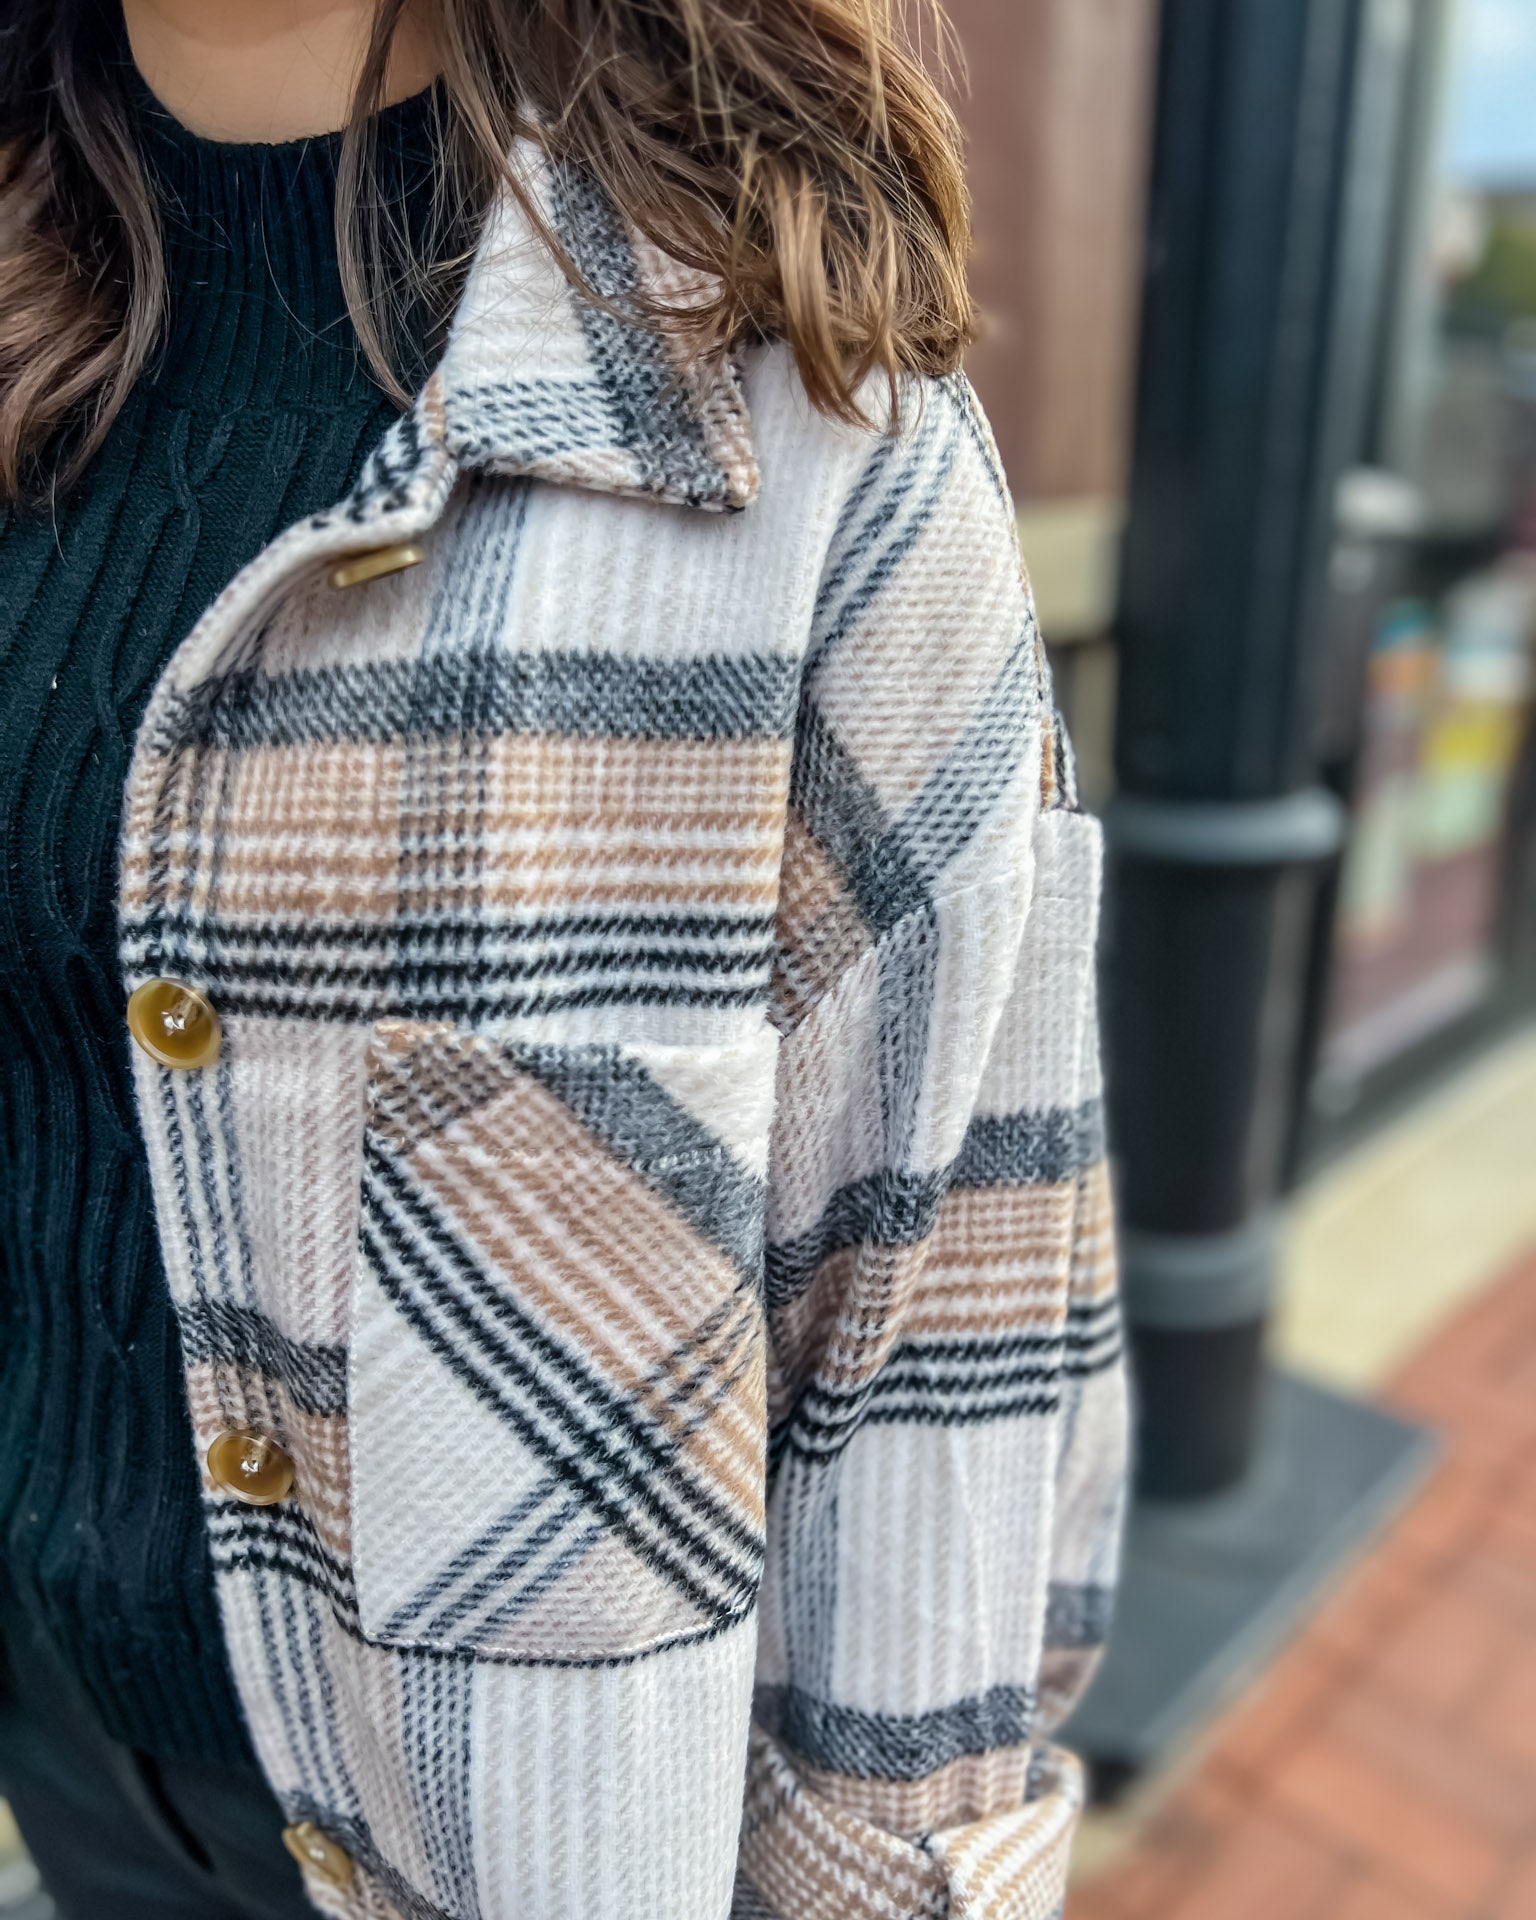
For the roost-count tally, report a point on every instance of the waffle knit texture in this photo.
(258, 410)
(653, 1180)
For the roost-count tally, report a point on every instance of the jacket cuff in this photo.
(806, 1858)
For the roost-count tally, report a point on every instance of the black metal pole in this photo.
(1219, 829)
(1275, 156)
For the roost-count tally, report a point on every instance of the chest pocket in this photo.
(556, 1387)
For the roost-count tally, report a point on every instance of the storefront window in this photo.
(1439, 784)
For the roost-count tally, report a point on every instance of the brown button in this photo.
(373, 566)
(251, 1467)
(318, 1854)
(174, 1024)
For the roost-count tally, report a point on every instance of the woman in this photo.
(554, 1234)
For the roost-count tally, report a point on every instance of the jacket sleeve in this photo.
(946, 1396)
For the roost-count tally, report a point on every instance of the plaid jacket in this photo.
(652, 1182)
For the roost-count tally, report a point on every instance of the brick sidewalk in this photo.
(1385, 1767)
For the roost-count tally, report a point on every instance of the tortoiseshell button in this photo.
(318, 1854)
(363, 567)
(174, 1024)
(252, 1467)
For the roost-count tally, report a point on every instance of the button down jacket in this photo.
(652, 1181)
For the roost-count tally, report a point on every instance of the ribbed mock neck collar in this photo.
(257, 316)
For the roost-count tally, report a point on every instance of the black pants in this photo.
(117, 1835)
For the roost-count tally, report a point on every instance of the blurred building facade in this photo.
(1215, 235)
(1427, 733)
(1056, 101)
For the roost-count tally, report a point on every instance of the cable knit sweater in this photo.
(258, 410)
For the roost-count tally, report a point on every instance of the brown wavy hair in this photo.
(797, 151)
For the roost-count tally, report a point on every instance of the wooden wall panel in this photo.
(1056, 112)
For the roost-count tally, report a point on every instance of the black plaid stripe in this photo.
(743, 697)
(969, 1382)
(435, 1702)
(639, 379)
(281, 1540)
(530, 422)
(504, 1571)
(894, 1209)
(887, 513)
(405, 470)
(604, 1444)
(220, 1332)
(957, 1383)
(844, 814)
(460, 974)
(890, 1746)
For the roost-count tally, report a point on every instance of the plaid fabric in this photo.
(652, 1182)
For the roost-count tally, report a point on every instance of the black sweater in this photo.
(259, 410)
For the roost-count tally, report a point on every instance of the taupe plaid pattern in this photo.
(653, 1180)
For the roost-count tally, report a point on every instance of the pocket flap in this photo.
(556, 1392)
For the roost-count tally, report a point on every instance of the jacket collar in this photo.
(536, 380)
